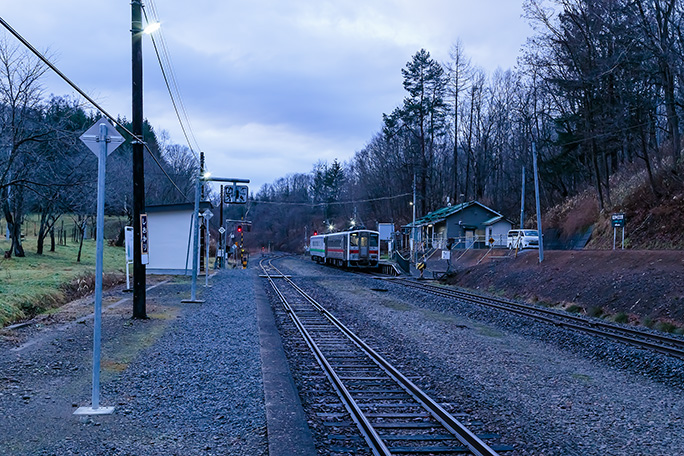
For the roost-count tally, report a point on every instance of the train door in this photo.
(363, 246)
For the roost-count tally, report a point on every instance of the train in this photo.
(353, 249)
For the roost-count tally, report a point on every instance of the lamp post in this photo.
(139, 270)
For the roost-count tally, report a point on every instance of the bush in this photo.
(621, 318)
(596, 312)
(575, 309)
(666, 326)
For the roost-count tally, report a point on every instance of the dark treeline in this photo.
(597, 88)
(45, 169)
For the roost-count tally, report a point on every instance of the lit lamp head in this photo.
(151, 28)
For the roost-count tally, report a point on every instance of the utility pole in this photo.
(139, 269)
(536, 192)
(413, 225)
(522, 201)
(202, 172)
(221, 238)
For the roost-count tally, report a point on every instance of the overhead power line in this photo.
(370, 200)
(166, 67)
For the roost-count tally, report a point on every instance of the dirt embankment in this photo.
(647, 286)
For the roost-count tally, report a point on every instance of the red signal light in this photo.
(239, 229)
(315, 233)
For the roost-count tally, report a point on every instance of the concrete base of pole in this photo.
(93, 411)
(192, 301)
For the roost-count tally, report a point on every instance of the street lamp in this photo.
(151, 28)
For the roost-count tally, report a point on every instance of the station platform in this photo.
(203, 378)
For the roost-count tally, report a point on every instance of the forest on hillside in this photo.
(598, 90)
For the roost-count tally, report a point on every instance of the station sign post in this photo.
(144, 240)
(102, 138)
(618, 221)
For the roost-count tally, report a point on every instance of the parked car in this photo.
(523, 239)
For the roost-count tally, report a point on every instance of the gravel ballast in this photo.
(545, 390)
(185, 382)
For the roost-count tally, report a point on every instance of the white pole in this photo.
(195, 246)
(206, 256)
(97, 331)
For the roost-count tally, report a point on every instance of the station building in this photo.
(466, 225)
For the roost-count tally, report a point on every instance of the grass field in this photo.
(36, 283)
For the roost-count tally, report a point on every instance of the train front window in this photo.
(354, 239)
(364, 241)
(374, 240)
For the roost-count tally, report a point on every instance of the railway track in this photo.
(393, 415)
(643, 339)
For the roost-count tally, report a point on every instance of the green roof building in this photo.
(465, 225)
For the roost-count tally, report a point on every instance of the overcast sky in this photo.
(270, 86)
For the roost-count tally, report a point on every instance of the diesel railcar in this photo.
(355, 249)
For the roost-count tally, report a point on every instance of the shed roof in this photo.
(493, 220)
(177, 207)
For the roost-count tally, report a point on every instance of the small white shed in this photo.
(497, 228)
(170, 239)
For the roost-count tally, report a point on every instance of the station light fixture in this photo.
(151, 28)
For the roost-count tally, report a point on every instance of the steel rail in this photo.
(455, 427)
(655, 342)
(370, 435)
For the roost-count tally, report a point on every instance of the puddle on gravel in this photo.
(489, 331)
(444, 318)
(582, 378)
(395, 305)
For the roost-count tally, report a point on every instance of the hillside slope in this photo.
(647, 286)
(654, 214)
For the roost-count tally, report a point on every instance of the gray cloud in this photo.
(270, 86)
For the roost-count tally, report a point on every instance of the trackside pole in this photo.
(95, 409)
(536, 192)
(195, 247)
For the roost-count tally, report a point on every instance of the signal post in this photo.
(234, 194)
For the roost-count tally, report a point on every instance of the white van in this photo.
(522, 239)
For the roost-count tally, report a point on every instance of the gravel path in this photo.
(185, 382)
(544, 390)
